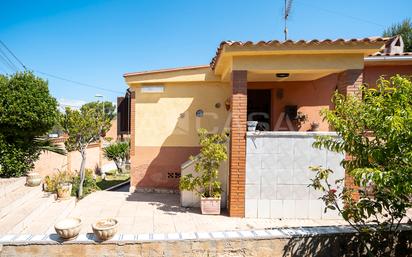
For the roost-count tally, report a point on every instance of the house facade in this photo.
(281, 85)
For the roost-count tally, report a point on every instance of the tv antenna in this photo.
(288, 7)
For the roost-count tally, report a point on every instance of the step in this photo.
(24, 214)
(18, 197)
(44, 223)
(8, 185)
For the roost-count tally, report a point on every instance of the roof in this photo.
(165, 70)
(391, 54)
(298, 42)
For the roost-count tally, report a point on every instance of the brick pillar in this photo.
(237, 167)
(349, 83)
(132, 140)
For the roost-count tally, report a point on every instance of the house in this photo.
(283, 86)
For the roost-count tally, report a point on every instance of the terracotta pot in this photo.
(68, 228)
(64, 190)
(33, 179)
(105, 229)
(210, 205)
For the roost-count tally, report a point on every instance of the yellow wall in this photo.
(169, 118)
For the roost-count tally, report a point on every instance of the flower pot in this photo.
(33, 179)
(210, 205)
(64, 190)
(251, 125)
(68, 228)
(314, 127)
(105, 229)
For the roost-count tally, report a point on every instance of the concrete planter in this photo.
(105, 229)
(69, 228)
(33, 179)
(210, 205)
(64, 190)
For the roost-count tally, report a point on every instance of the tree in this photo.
(83, 127)
(405, 30)
(213, 151)
(27, 112)
(376, 132)
(109, 112)
(118, 153)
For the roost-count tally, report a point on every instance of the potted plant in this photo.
(68, 228)
(64, 185)
(314, 126)
(33, 179)
(206, 182)
(300, 119)
(105, 229)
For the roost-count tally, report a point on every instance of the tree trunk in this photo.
(82, 172)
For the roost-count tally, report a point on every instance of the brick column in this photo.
(349, 83)
(132, 140)
(237, 167)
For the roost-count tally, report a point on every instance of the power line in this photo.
(7, 64)
(340, 13)
(15, 57)
(48, 74)
(7, 59)
(78, 83)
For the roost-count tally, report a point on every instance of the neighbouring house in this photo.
(283, 86)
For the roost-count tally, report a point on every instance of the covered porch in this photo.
(283, 86)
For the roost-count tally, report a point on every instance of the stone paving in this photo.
(162, 213)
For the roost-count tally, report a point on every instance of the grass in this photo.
(112, 180)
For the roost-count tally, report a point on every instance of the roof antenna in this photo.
(288, 7)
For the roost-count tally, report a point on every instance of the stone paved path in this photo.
(161, 213)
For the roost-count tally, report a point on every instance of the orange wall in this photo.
(372, 73)
(309, 96)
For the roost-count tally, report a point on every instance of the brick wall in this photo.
(349, 83)
(238, 145)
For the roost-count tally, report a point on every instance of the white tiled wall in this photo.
(278, 174)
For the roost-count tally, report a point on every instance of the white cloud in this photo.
(72, 103)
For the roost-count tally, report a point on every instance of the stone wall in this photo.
(278, 174)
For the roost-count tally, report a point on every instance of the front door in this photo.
(258, 107)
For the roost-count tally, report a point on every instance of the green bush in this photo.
(89, 185)
(27, 111)
(118, 153)
(51, 182)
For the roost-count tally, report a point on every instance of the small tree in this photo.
(83, 128)
(405, 30)
(212, 153)
(118, 153)
(376, 132)
(109, 112)
(27, 113)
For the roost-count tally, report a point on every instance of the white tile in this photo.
(247, 234)
(268, 192)
(268, 177)
(269, 161)
(251, 208)
(285, 176)
(9, 238)
(190, 235)
(261, 233)
(284, 192)
(284, 161)
(218, 235)
(252, 191)
(275, 233)
(289, 209)
(203, 235)
(276, 209)
(159, 237)
(143, 237)
(173, 236)
(263, 208)
(302, 209)
(232, 234)
(315, 209)
(300, 192)
(129, 237)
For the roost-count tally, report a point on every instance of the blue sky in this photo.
(96, 41)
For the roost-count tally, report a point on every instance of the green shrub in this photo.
(89, 185)
(118, 153)
(51, 182)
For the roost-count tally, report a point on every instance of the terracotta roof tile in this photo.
(391, 54)
(165, 70)
(291, 42)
